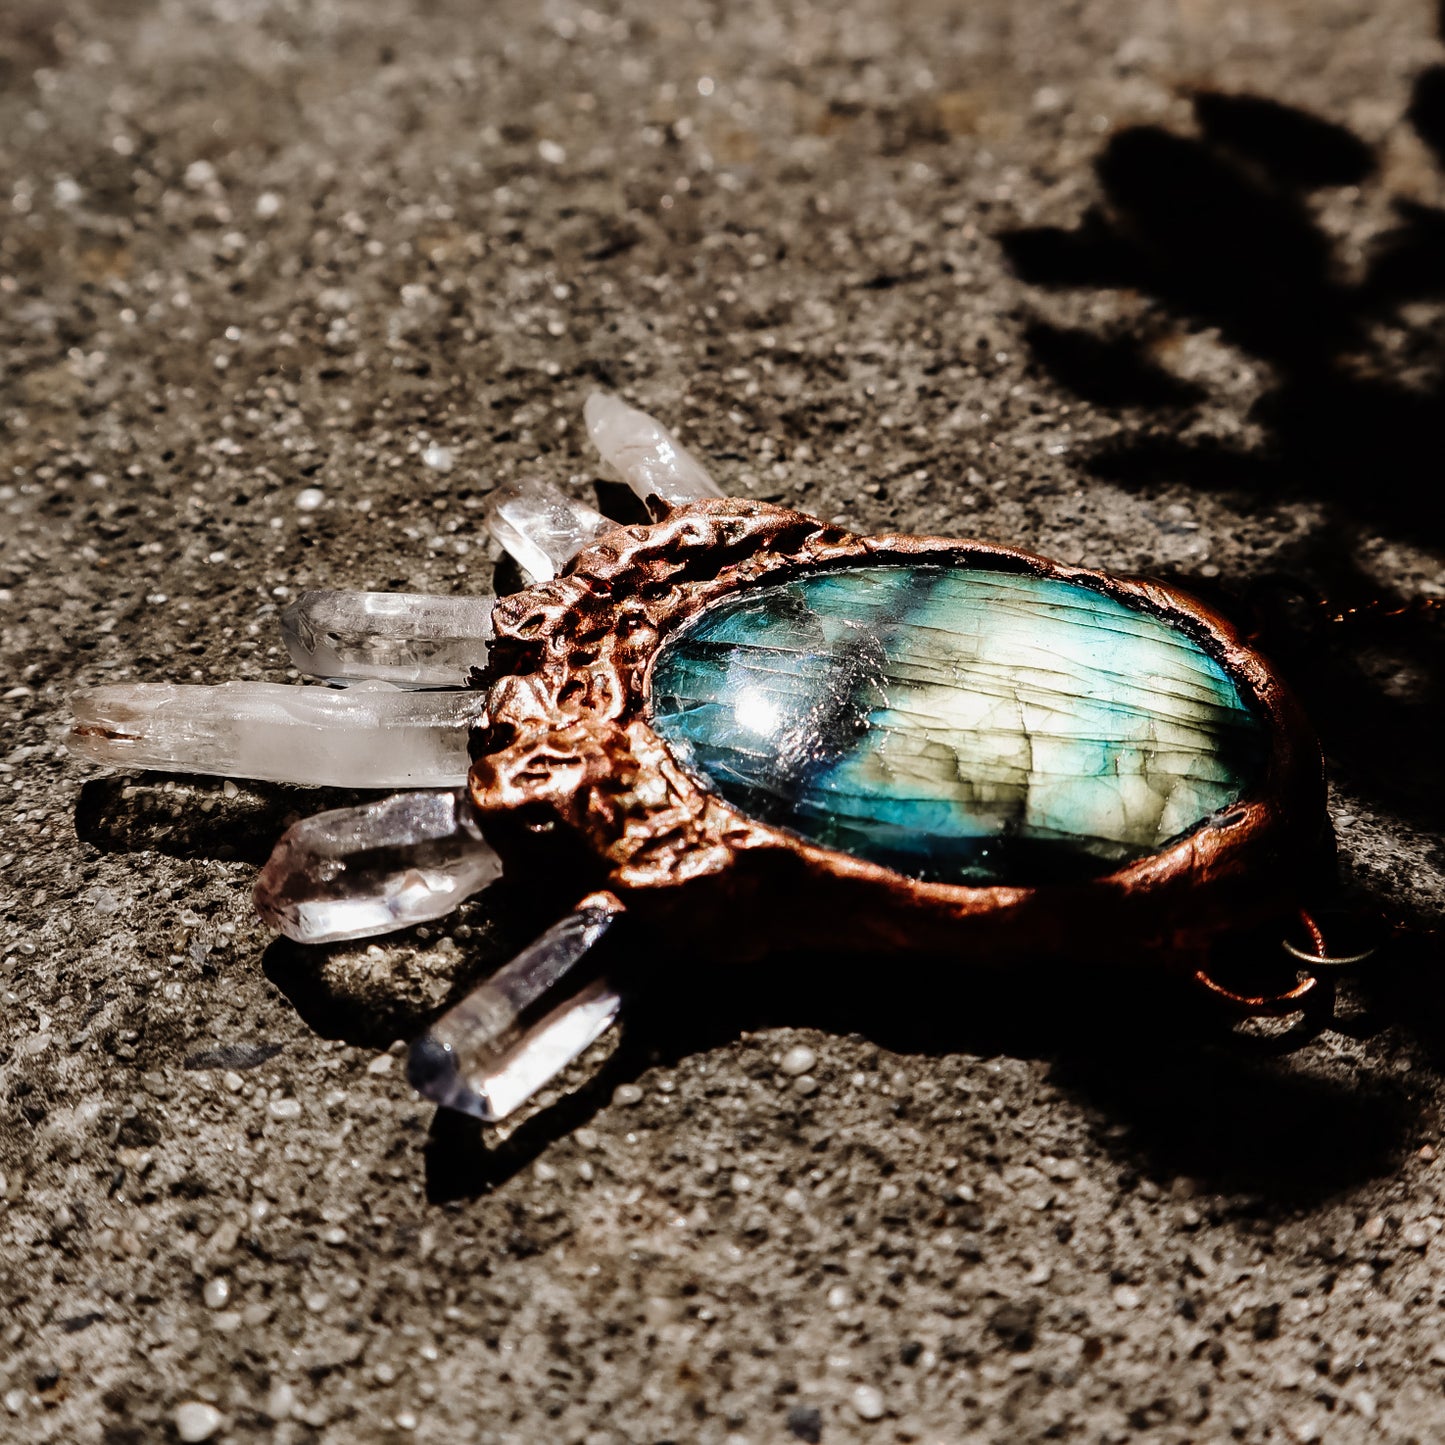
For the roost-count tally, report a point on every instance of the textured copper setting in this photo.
(568, 754)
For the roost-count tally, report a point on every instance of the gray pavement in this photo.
(1155, 287)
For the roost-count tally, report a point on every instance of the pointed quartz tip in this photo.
(541, 526)
(644, 453)
(432, 1070)
(412, 639)
(616, 428)
(602, 409)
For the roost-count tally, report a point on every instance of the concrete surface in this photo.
(1155, 286)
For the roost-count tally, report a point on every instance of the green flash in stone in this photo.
(957, 724)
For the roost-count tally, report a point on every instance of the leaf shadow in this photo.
(1215, 229)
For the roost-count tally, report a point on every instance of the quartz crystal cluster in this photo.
(398, 714)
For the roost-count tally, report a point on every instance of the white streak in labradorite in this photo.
(957, 724)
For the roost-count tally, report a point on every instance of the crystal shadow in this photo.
(185, 816)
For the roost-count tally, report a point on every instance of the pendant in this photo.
(748, 729)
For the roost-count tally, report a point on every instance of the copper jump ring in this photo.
(1318, 958)
(1276, 1003)
(1321, 957)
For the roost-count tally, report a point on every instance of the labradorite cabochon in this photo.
(955, 723)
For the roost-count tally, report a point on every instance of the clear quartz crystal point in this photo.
(369, 736)
(483, 1057)
(503, 1083)
(411, 639)
(644, 453)
(541, 526)
(354, 872)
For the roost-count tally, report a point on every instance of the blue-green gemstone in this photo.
(957, 724)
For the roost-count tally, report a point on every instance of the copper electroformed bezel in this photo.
(568, 757)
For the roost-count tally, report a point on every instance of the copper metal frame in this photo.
(568, 757)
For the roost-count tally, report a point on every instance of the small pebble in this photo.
(284, 1108)
(309, 499)
(1373, 1228)
(439, 459)
(230, 790)
(281, 1401)
(406, 1421)
(868, 1402)
(627, 1095)
(268, 203)
(233, 1081)
(1127, 1297)
(195, 1420)
(217, 1293)
(805, 1084)
(227, 1234)
(15, 1401)
(798, 1060)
